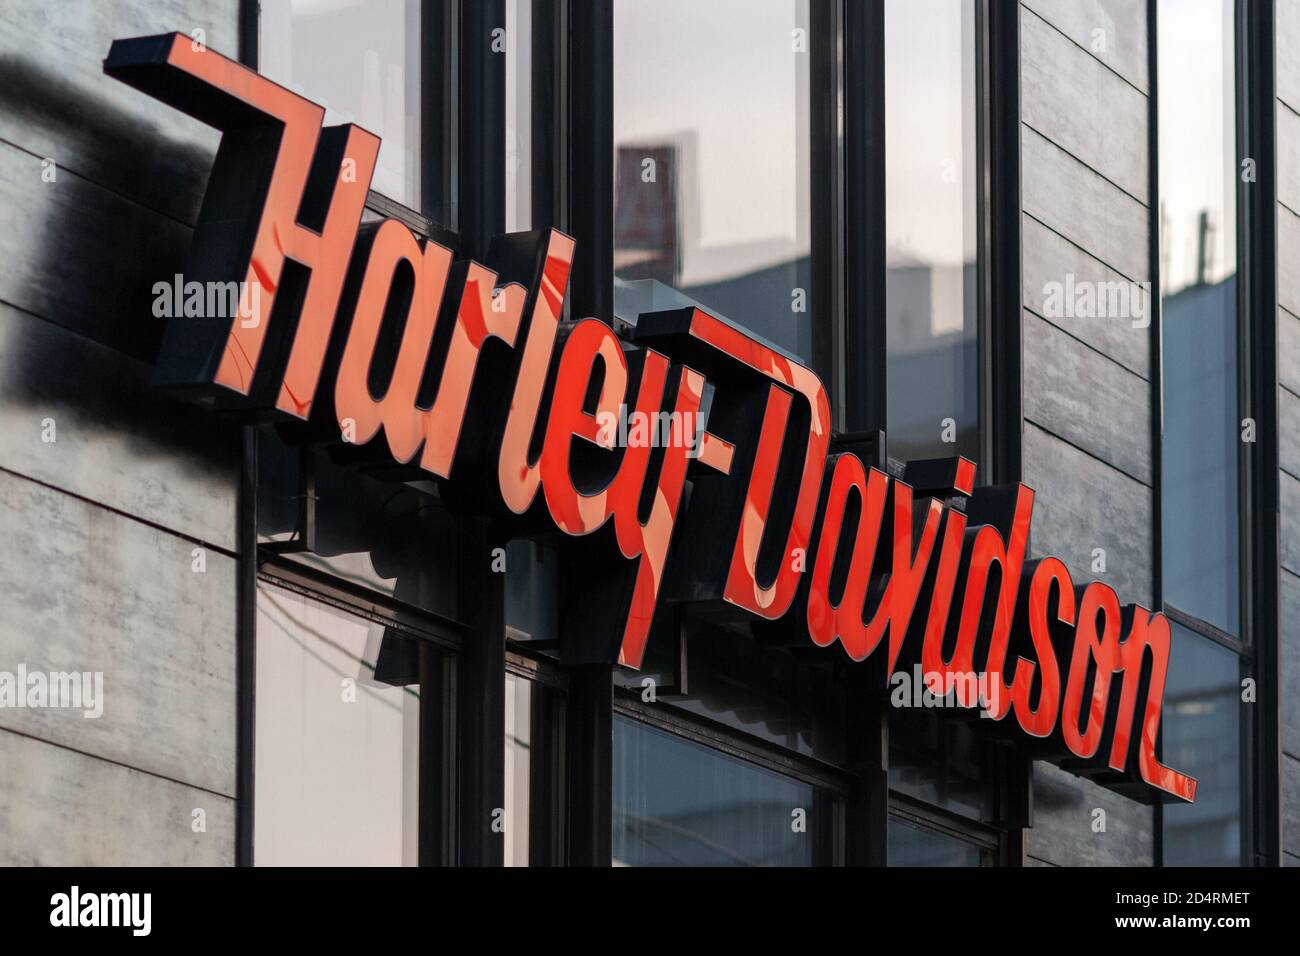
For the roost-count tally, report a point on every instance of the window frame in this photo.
(1257, 646)
(547, 807)
(463, 126)
(999, 321)
(1261, 594)
(984, 837)
(438, 707)
(831, 782)
(464, 116)
(859, 337)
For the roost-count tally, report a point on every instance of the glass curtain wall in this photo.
(1201, 446)
(931, 229)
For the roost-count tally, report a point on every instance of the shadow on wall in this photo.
(79, 338)
(134, 157)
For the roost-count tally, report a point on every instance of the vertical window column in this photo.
(337, 775)
(931, 223)
(1202, 442)
(361, 59)
(712, 163)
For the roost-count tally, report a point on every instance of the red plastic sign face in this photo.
(525, 415)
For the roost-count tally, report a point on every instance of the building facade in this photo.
(1055, 238)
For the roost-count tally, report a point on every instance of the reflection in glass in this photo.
(389, 537)
(1198, 265)
(911, 844)
(711, 162)
(765, 692)
(518, 762)
(931, 229)
(942, 762)
(336, 777)
(532, 591)
(679, 803)
(361, 60)
(1200, 735)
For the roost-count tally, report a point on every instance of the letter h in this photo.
(280, 214)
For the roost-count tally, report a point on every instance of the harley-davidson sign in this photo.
(471, 375)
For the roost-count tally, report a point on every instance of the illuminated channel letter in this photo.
(304, 190)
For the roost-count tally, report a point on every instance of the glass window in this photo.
(519, 724)
(1201, 735)
(1198, 241)
(764, 692)
(361, 60)
(911, 844)
(941, 761)
(679, 803)
(519, 115)
(336, 777)
(532, 591)
(711, 162)
(393, 538)
(931, 229)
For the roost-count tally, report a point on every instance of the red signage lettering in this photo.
(495, 394)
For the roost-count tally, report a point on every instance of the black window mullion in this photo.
(1258, 362)
(439, 91)
(1001, 312)
(550, 104)
(246, 581)
(480, 214)
(861, 339)
(1001, 316)
(586, 159)
(826, 156)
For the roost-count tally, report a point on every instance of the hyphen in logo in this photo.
(74, 908)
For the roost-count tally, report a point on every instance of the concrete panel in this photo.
(1289, 626)
(1288, 260)
(1083, 504)
(1082, 106)
(82, 256)
(1288, 362)
(118, 442)
(1290, 805)
(1288, 157)
(1290, 522)
(1049, 258)
(85, 589)
(1122, 42)
(1288, 406)
(1287, 21)
(1085, 398)
(1064, 812)
(59, 807)
(1088, 210)
(56, 102)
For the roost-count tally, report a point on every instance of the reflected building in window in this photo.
(931, 229)
(679, 803)
(711, 165)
